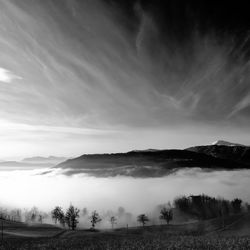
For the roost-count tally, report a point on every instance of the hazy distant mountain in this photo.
(145, 163)
(225, 150)
(33, 162)
(17, 164)
(40, 159)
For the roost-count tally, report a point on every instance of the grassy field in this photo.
(205, 235)
(13, 230)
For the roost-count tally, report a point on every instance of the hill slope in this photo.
(240, 227)
(13, 229)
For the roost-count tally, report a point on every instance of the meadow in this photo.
(142, 241)
(198, 235)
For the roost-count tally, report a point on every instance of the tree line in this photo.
(200, 207)
(32, 215)
(205, 207)
(70, 218)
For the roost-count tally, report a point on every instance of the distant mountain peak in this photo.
(226, 143)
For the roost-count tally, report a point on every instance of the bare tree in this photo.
(94, 219)
(16, 215)
(57, 214)
(113, 221)
(40, 218)
(166, 214)
(31, 215)
(71, 217)
(142, 218)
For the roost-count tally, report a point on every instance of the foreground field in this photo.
(236, 235)
(151, 241)
(16, 230)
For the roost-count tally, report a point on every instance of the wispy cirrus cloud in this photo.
(243, 104)
(89, 67)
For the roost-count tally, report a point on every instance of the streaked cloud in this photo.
(5, 125)
(243, 104)
(89, 68)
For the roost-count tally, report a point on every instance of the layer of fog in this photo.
(27, 188)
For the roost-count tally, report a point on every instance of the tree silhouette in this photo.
(16, 215)
(223, 210)
(182, 203)
(57, 214)
(71, 217)
(142, 218)
(205, 207)
(62, 219)
(32, 215)
(166, 214)
(113, 221)
(94, 219)
(236, 205)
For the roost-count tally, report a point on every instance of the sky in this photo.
(95, 76)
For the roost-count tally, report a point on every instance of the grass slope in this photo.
(186, 236)
(15, 230)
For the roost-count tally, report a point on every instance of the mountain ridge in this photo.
(221, 155)
(238, 153)
(154, 163)
(227, 143)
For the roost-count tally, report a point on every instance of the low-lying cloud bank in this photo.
(107, 193)
(129, 171)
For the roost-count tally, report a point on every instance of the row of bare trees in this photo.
(71, 217)
(13, 215)
(200, 206)
(32, 215)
